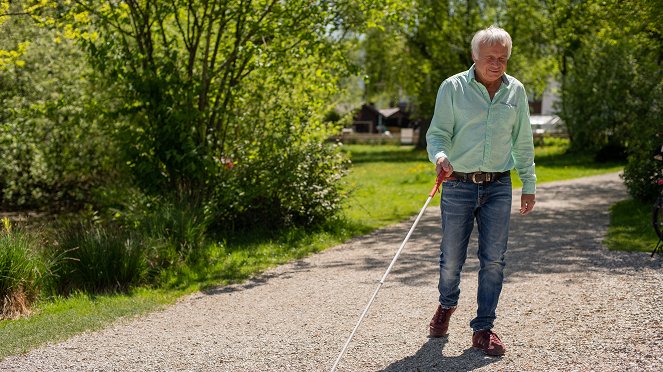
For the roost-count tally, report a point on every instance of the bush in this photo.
(295, 187)
(642, 169)
(22, 271)
(99, 259)
(640, 174)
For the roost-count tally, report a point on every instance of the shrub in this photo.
(641, 172)
(613, 110)
(297, 186)
(22, 272)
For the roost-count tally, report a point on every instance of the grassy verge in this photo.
(241, 257)
(631, 227)
(386, 184)
(62, 318)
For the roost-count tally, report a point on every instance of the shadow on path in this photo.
(430, 357)
(286, 271)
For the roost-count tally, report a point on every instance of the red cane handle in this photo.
(438, 183)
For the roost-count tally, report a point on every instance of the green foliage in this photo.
(10, 53)
(186, 69)
(22, 271)
(175, 232)
(51, 141)
(533, 60)
(99, 259)
(612, 84)
(197, 86)
(642, 171)
(294, 187)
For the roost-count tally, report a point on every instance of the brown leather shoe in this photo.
(488, 342)
(440, 323)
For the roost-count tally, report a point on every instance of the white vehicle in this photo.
(550, 125)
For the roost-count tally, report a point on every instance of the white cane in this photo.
(438, 182)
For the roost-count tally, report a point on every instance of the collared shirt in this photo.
(477, 134)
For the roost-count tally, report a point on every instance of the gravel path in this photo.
(568, 304)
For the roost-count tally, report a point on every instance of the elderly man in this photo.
(479, 132)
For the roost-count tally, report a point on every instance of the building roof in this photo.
(389, 111)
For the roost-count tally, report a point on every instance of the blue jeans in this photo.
(490, 205)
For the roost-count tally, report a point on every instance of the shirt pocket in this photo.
(505, 112)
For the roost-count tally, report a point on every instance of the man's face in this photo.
(491, 63)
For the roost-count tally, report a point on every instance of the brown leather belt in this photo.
(477, 177)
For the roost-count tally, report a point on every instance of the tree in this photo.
(612, 82)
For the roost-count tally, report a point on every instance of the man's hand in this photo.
(526, 203)
(443, 165)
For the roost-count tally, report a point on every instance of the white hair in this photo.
(489, 37)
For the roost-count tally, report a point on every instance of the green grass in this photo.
(554, 163)
(99, 259)
(60, 319)
(631, 227)
(386, 184)
(242, 256)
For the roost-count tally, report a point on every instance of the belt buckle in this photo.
(474, 175)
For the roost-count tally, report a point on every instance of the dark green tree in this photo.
(611, 54)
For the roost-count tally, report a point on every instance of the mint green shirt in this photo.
(477, 134)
